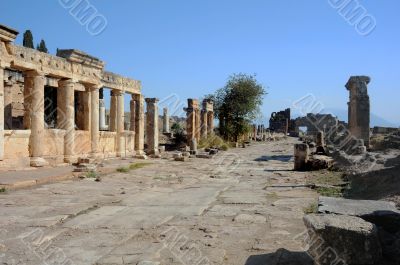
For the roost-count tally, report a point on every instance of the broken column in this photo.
(166, 121)
(35, 81)
(152, 127)
(139, 125)
(67, 122)
(359, 108)
(301, 156)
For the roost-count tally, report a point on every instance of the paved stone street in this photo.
(218, 211)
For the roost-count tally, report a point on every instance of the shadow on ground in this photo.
(282, 158)
(281, 257)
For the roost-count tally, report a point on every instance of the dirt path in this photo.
(219, 211)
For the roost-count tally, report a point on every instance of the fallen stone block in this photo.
(86, 160)
(85, 168)
(204, 155)
(318, 162)
(181, 159)
(341, 239)
(177, 155)
(381, 213)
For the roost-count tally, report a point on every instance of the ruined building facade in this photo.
(50, 107)
(280, 121)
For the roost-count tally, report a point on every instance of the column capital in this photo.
(66, 82)
(117, 93)
(34, 73)
(152, 100)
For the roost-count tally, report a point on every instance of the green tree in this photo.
(28, 39)
(42, 47)
(237, 104)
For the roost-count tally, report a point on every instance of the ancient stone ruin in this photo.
(52, 107)
(280, 121)
(199, 123)
(359, 108)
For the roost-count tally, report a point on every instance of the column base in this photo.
(38, 162)
(140, 155)
(70, 159)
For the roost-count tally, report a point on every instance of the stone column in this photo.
(320, 139)
(132, 126)
(120, 123)
(166, 121)
(192, 120)
(102, 115)
(210, 122)
(1, 113)
(204, 124)
(8, 104)
(35, 81)
(95, 120)
(113, 112)
(67, 88)
(359, 108)
(198, 124)
(139, 126)
(152, 126)
(301, 152)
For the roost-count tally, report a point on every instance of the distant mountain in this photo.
(375, 119)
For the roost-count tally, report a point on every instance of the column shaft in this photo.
(204, 124)
(113, 112)
(8, 105)
(68, 119)
(132, 126)
(120, 124)
(36, 112)
(139, 125)
(166, 128)
(152, 126)
(94, 131)
(1, 113)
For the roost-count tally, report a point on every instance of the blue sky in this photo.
(189, 48)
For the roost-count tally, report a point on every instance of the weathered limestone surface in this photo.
(152, 126)
(139, 126)
(384, 214)
(358, 242)
(359, 108)
(132, 218)
(68, 121)
(95, 120)
(1, 113)
(36, 115)
(301, 156)
(120, 124)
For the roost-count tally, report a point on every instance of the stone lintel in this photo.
(77, 56)
(7, 34)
